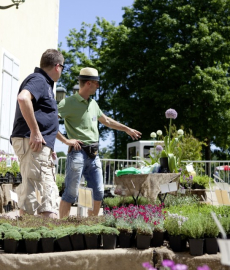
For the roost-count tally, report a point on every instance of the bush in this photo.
(31, 236)
(60, 179)
(13, 234)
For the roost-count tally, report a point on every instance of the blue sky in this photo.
(74, 12)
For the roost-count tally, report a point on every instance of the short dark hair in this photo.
(82, 83)
(50, 58)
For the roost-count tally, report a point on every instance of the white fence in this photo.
(109, 166)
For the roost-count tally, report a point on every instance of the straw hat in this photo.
(88, 74)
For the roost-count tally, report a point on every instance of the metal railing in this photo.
(109, 166)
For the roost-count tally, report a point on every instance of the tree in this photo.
(165, 54)
(176, 55)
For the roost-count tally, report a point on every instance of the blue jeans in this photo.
(78, 164)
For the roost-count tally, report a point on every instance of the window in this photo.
(9, 90)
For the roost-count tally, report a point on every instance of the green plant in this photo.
(109, 230)
(174, 224)
(13, 234)
(31, 236)
(48, 234)
(142, 227)
(95, 229)
(210, 228)
(14, 169)
(172, 150)
(60, 179)
(123, 226)
(112, 202)
(203, 180)
(194, 227)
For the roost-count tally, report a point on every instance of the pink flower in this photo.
(168, 263)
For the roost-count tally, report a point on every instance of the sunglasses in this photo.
(61, 66)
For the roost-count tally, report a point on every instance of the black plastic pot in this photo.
(92, 241)
(64, 243)
(143, 241)
(211, 245)
(196, 247)
(176, 243)
(125, 240)
(109, 241)
(77, 241)
(157, 239)
(47, 244)
(10, 246)
(31, 246)
(164, 165)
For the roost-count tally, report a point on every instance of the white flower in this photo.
(153, 135)
(180, 132)
(159, 132)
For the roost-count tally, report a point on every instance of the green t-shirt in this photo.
(80, 118)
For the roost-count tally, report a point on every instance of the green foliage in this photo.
(179, 200)
(14, 169)
(110, 230)
(95, 229)
(31, 236)
(142, 227)
(48, 234)
(194, 227)
(174, 224)
(203, 180)
(13, 234)
(60, 179)
(123, 226)
(210, 228)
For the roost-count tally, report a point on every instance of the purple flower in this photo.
(168, 263)
(171, 113)
(148, 266)
(179, 267)
(159, 148)
(204, 267)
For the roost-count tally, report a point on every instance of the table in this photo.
(147, 185)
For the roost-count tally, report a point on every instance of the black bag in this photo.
(91, 149)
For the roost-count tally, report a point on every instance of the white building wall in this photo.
(25, 33)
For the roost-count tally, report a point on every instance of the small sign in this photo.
(85, 197)
(14, 196)
(181, 190)
(222, 197)
(189, 168)
(165, 188)
(224, 245)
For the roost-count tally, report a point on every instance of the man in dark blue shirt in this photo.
(34, 131)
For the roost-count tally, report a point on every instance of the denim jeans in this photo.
(78, 164)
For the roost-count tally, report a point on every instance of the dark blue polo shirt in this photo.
(40, 86)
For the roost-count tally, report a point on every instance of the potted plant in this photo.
(174, 225)
(194, 230)
(77, 237)
(63, 239)
(211, 232)
(31, 241)
(172, 152)
(47, 240)
(11, 240)
(109, 237)
(143, 233)
(93, 236)
(125, 230)
(201, 182)
(158, 233)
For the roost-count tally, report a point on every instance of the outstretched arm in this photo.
(71, 142)
(109, 122)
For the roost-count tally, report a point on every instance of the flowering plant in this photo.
(194, 226)
(142, 227)
(133, 216)
(174, 224)
(172, 150)
(170, 265)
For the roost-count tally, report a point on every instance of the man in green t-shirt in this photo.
(81, 115)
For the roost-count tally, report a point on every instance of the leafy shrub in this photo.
(60, 179)
(31, 236)
(13, 234)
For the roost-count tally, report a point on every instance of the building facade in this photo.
(25, 33)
